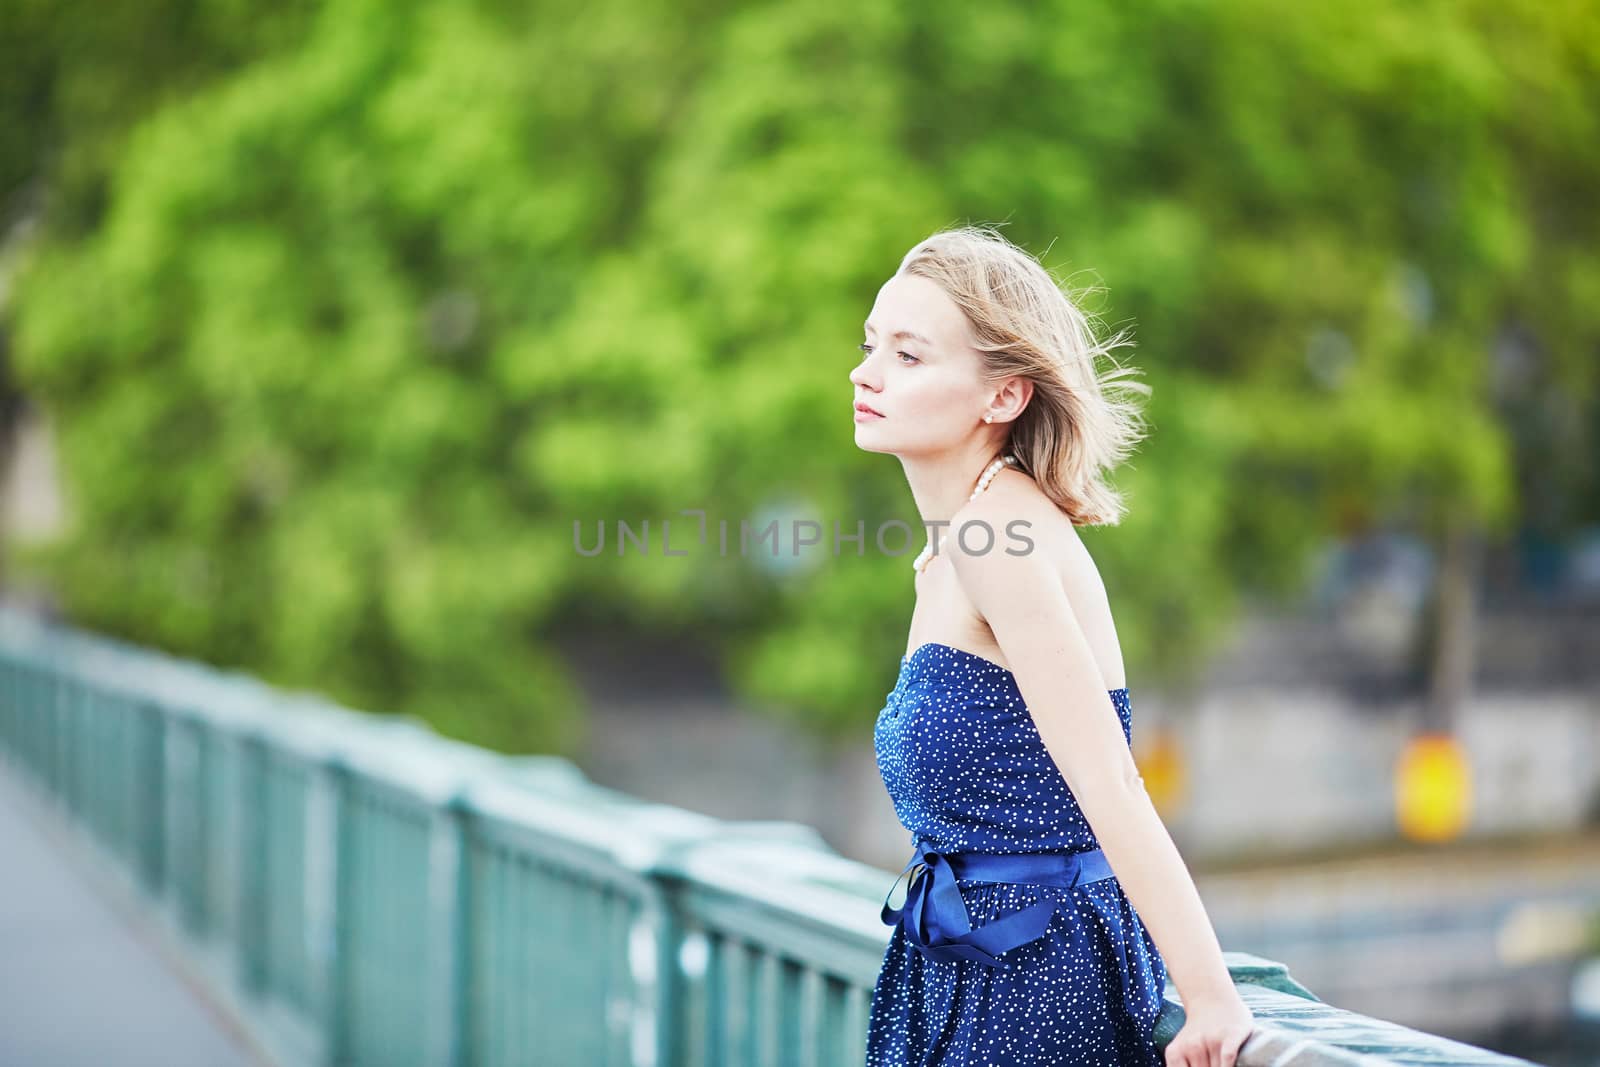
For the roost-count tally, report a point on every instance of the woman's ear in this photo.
(1012, 398)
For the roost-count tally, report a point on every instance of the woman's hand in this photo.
(1212, 1033)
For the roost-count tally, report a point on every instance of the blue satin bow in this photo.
(935, 917)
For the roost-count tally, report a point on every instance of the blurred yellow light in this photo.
(1160, 764)
(1432, 788)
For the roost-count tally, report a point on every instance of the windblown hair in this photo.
(1082, 421)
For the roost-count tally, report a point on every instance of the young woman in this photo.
(1005, 743)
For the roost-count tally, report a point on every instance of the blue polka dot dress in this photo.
(967, 771)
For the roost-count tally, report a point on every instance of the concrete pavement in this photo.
(82, 981)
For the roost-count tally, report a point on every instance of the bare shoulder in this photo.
(1038, 580)
(1013, 520)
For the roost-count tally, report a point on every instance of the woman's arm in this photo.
(1021, 599)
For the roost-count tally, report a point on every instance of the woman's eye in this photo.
(868, 350)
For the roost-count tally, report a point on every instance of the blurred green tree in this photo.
(372, 321)
(75, 79)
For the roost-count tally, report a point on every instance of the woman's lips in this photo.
(866, 414)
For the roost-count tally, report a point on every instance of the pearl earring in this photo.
(988, 418)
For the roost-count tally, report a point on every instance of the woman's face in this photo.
(918, 371)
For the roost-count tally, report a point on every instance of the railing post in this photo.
(59, 699)
(446, 933)
(250, 805)
(323, 836)
(180, 815)
(336, 994)
(151, 797)
(669, 978)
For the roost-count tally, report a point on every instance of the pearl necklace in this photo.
(983, 483)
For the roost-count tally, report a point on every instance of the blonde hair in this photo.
(1081, 421)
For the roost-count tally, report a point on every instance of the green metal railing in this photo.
(359, 891)
(365, 892)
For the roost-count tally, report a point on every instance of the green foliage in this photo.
(370, 321)
(77, 75)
